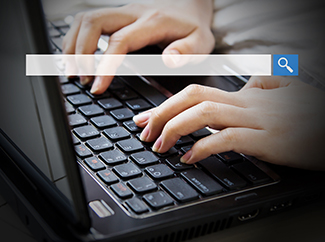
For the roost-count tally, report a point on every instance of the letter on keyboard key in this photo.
(127, 171)
(202, 182)
(251, 172)
(158, 199)
(122, 114)
(110, 103)
(144, 158)
(180, 190)
(94, 164)
(107, 176)
(224, 174)
(113, 157)
(91, 110)
(129, 145)
(82, 151)
(116, 133)
(138, 105)
(121, 190)
(142, 185)
(79, 99)
(86, 132)
(102, 122)
(137, 205)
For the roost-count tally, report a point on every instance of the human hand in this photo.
(278, 120)
(181, 27)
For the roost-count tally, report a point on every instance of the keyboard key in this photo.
(186, 148)
(116, 133)
(107, 176)
(121, 190)
(130, 145)
(127, 171)
(142, 185)
(122, 114)
(224, 174)
(76, 120)
(170, 152)
(251, 172)
(116, 84)
(131, 126)
(82, 151)
(230, 157)
(202, 182)
(75, 140)
(86, 132)
(78, 84)
(158, 199)
(137, 205)
(110, 103)
(201, 133)
(159, 172)
(94, 164)
(138, 105)
(179, 190)
(125, 94)
(177, 165)
(103, 122)
(69, 108)
(185, 140)
(99, 144)
(91, 110)
(69, 89)
(144, 158)
(100, 96)
(113, 157)
(79, 99)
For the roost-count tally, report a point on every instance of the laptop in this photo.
(73, 167)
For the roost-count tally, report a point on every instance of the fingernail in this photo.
(96, 85)
(175, 56)
(141, 117)
(84, 80)
(185, 158)
(157, 144)
(144, 134)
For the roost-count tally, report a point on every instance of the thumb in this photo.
(181, 51)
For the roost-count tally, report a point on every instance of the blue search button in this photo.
(285, 65)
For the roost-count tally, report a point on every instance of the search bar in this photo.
(151, 65)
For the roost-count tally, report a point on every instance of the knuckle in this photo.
(194, 90)
(91, 18)
(79, 16)
(155, 115)
(208, 109)
(229, 136)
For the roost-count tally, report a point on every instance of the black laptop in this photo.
(73, 167)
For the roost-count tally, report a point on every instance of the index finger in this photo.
(187, 98)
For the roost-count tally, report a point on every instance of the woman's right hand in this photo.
(180, 27)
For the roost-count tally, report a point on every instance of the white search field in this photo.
(150, 65)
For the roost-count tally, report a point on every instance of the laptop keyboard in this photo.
(144, 183)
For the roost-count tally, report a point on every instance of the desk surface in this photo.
(299, 225)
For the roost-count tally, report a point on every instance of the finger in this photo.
(240, 140)
(142, 119)
(196, 42)
(130, 38)
(188, 97)
(267, 82)
(214, 115)
(69, 40)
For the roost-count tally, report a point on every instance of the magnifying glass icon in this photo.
(285, 64)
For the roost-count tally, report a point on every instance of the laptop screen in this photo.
(33, 116)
